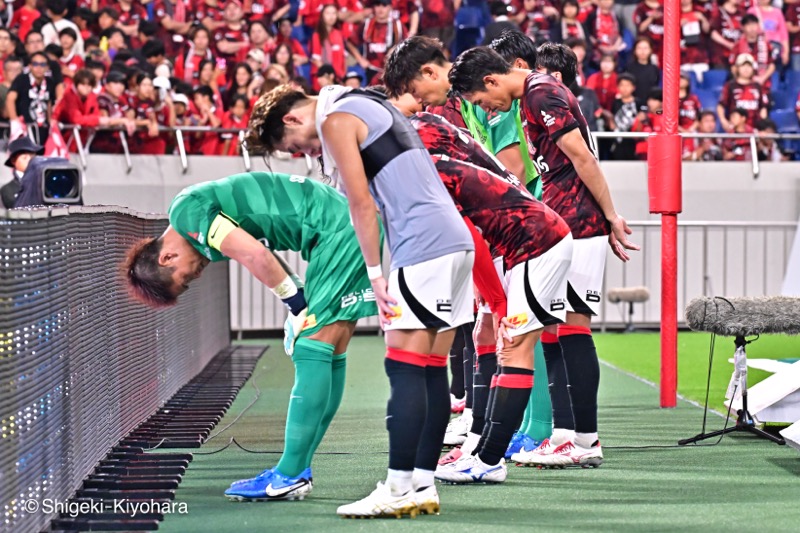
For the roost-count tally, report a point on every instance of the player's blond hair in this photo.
(266, 128)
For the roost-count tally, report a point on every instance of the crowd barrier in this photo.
(80, 364)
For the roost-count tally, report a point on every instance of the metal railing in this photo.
(716, 258)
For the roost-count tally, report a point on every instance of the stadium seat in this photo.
(783, 99)
(714, 79)
(708, 98)
(305, 70)
(784, 119)
(693, 83)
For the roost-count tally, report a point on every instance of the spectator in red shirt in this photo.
(209, 14)
(726, 30)
(753, 43)
(236, 117)
(6, 47)
(113, 107)
(130, 14)
(241, 84)
(605, 32)
(694, 37)
(743, 93)
(206, 143)
(187, 66)
(604, 83)
(259, 38)
(209, 77)
(327, 43)
(83, 19)
(649, 121)
(373, 40)
(141, 109)
(231, 37)
(175, 19)
(437, 20)
(689, 107)
(407, 12)
(569, 27)
(69, 60)
(270, 10)
(706, 148)
(649, 20)
(299, 55)
(738, 149)
(283, 56)
(24, 17)
(536, 19)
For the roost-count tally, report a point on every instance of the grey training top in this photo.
(419, 216)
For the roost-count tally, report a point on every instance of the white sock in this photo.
(422, 478)
(399, 481)
(560, 436)
(585, 440)
(470, 444)
(467, 413)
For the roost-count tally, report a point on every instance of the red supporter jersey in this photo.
(450, 111)
(437, 14)
(230, 35)
(377, 38)
(793, 17)
(264, 9)
(402, 10)
(694, 48)
(605, 88)
(548, 111)
(23, 20)
(202, 10)
(749, 97)
(689, 111)
(310, 11)
(730, 27)
(512, 221)
(443, 138)
(740, 148)
(761, 50)
(654, 30)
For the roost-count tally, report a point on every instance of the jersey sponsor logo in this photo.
(518, 320)
(310, 322)
(194, 235)
(444, 306)
(365, 295)
(592, 296)
(558, 305)
(549, 120)
(398, 312)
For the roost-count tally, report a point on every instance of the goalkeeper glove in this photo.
(291, 330)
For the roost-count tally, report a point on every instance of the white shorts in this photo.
(586, 275)
(498, 266)
(537, 289)
(433, 294)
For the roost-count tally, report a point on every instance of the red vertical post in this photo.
(664, 177)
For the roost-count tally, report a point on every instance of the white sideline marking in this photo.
(656, 386)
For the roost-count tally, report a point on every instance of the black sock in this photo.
(583, 374)
(486, 366)
(511, 395)
(436, 418)
(484, 429)
(557, 377)
(469, 363)
(457, 365)
(405, 411)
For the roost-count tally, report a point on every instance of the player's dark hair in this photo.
(513, 44)
(472, 66)
(266, 128)
(405, 61)
(557, 57)
(146, 280)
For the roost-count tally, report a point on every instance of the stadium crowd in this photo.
(142, 65)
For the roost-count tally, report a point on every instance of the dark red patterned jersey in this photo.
(548, 111)
(450, 111)
(231, 35)
(729, 25)
(377, 38)
(442, 138)
(689, 111)
(512, 221)
(749, 97)
(793, 17)
(694, 48)
(654, 30)
(202, 10)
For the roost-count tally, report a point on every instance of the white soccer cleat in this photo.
(427, 500)
(570, 454)
(381, 504)
(457, 430)
(536, 456)
(470, 469)
(291, 330)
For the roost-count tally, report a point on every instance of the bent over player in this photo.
(234, 218)
(574, 186)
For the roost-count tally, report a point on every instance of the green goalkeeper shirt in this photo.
(285, 212)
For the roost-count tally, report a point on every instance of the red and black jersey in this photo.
(402, 10)
(689, 111)
(792, 17)
(761, 51)
(230, 35)
(264, 9)
(549, 110)
(513, 222)
(694, 48)
(437, 14)
(443, 138)
(740, 148)
(729, 25)
(377, 38)
(202, 10)
(450, 111)
(749, 97)
(654, 30)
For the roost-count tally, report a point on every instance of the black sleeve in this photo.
(19, 84)
(55, 72)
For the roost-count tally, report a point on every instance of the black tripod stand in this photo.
(745, 421)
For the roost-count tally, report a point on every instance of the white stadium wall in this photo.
(736, 237)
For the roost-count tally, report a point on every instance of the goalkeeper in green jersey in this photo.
(244, 218)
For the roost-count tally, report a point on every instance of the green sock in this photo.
(338, 371)
(310, 396)
(540, 421)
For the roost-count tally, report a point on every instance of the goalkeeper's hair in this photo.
(146, 280)
(266, 128)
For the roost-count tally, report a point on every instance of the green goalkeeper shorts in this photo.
(337, 286)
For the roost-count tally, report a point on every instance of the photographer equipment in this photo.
(49, 181)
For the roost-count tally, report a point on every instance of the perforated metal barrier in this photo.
(80, 364)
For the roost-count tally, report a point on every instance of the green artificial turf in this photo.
(639, 354)
(741, 484)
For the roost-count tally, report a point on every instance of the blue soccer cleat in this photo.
(271, 485)
(520, 442)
